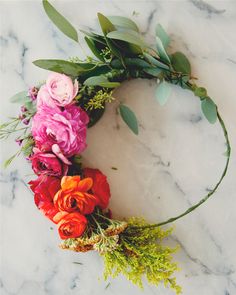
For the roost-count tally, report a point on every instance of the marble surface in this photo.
(176, 158)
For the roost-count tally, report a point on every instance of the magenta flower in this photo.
(60, 131)
(47, 164)
(33, 92)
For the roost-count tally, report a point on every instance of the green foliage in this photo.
(154, 62)
(161, 51)
(100, 99)
(105, 24)
(162, 35)
(123, 23)
(63, 66)
(200, 92)
(60, 21)
(91, 44)
(209, 109)
(129, 118)
(163, 92)
(20, 97)
(130, 62)
(101, 81)
(180, 63)
(140, 253)
(127, 36)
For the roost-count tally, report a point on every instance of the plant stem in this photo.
(205, 198)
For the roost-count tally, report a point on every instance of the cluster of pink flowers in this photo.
(58, 127)
(59, 131)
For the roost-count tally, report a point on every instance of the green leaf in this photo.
(163, 92)
(180, 63)
(153, 61)
(60, 66)
(100, 81)
(160, 32)
(131, 62)
(31, 107)
(105, 24)
(200, 92)
(95, 37)
(209, 109)
(127, 36)
(8, 161)
(123, 22)
(93, 48)
(129, 118)
(20, 97)
(161, 51)
(107, 27)
(60, 21)
(155, 72)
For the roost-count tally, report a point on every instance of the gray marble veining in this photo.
(175, 160)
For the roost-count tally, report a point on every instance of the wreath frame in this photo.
(131, 247)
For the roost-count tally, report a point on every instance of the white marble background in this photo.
(176, 158)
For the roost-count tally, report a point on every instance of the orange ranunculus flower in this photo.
(100, 187)
(70, 225)
(74, 197)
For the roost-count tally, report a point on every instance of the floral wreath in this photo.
(55, 117)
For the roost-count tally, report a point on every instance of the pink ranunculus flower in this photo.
(47, 164)
(60, 131)
(61, 89)
(44, 98)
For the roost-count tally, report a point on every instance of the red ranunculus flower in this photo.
(70, 225)
(45, 188)
(48, 164)
(100, 187)
(74, 195)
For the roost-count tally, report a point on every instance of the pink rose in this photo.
(44, 98)
(60, 131)
(61, 89)
(47, 164)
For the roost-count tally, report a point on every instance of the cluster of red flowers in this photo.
(67, 200)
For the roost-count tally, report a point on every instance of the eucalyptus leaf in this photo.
(161, 51)
(130, 62)
(155, 72)
(180, 63)
(209, 109)
(61, 66)
(163, 92)
(8, 161)
(160, 32)
(123, 22)
(95, 37)
(105, 24)
(200, 92)
(60, 21)
(153, 61)
(93, 48)
(127, 36)
(20, 97)
(129, 118)
(100, 81)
